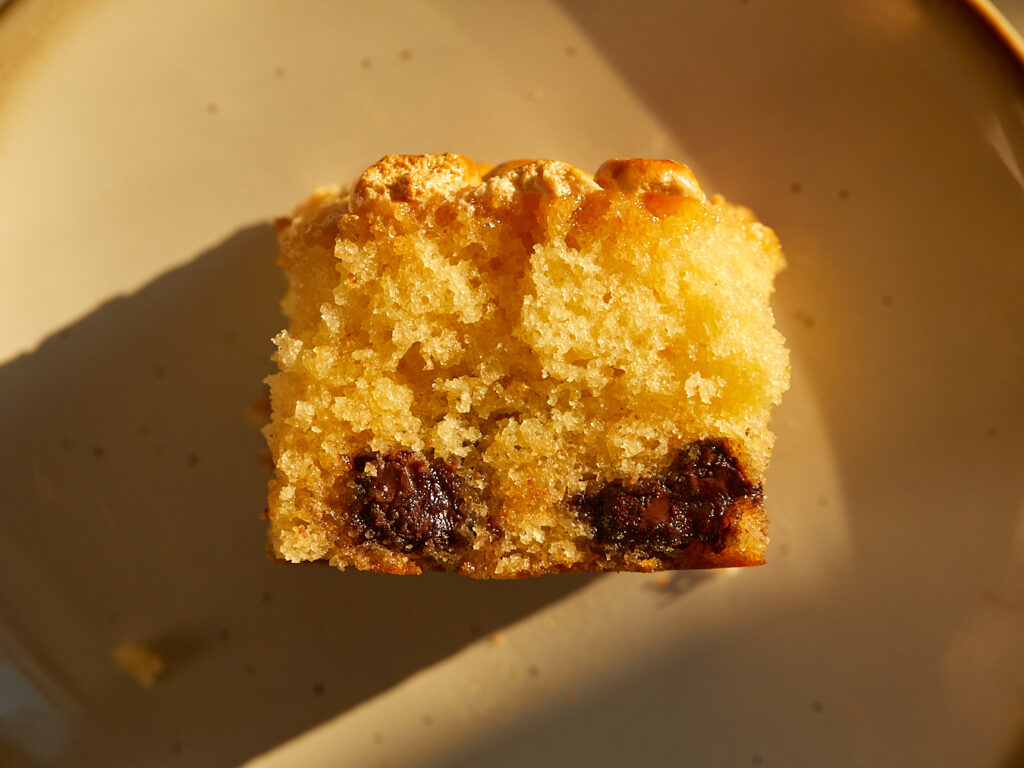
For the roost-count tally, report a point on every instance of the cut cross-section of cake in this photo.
(524, 370)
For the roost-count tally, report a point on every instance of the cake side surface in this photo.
(523, 371)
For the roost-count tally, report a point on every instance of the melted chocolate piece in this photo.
(688, 503)
(408, 504)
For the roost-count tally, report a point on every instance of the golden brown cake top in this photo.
(418, 179)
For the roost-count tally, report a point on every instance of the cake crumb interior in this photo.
(545, 331)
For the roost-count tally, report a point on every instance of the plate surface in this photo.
(145, 147)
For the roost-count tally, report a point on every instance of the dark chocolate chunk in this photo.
(691, 502)
(408, 504)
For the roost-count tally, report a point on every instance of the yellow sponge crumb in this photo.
(140, 662)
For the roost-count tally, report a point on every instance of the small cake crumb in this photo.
(143, 664)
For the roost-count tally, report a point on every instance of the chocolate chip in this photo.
(408, 504)
(691, 502)
(494, 528)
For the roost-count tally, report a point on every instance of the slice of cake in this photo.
(523, 371)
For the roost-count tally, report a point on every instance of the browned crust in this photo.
(413, 179)
(751, 519)
(418, 180)
(405, 513)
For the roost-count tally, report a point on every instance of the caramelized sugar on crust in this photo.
(523, 371)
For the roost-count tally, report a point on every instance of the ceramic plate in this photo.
(144, 147)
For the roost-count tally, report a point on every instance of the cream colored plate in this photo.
(145, 146)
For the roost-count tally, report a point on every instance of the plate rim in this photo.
(1010, 38)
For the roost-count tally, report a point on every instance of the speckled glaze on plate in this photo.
(144, 149)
